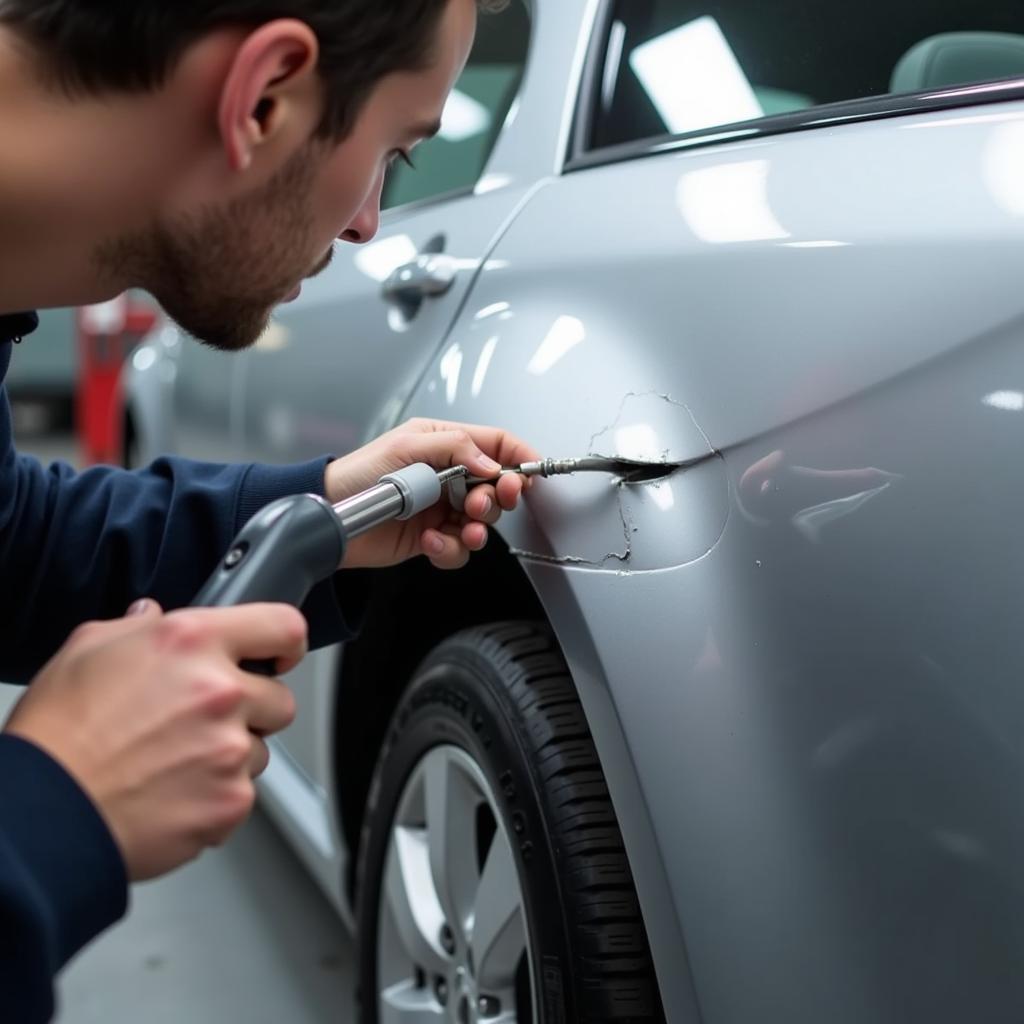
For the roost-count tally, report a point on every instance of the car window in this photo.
(678, 66)
(474, 114)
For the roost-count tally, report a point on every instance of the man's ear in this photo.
(272, 93)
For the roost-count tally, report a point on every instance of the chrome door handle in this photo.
(427, 276)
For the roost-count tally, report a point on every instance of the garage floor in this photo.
(241, 935)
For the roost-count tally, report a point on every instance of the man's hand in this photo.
(155, 720)
(445, 536)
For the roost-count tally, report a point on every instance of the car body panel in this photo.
(824, 738)
(825, 724)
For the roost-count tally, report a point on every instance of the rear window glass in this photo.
(473, 116)
(680, 66)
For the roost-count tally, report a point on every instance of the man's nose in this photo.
(365, 224)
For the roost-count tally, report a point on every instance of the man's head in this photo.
(275, 121)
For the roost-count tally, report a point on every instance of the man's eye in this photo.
(400, 154)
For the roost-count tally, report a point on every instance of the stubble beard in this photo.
(218, 273)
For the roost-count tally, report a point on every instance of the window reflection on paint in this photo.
(492, 310)
(729, 203)
(483, 365)
(1008, 401)
(566, 333)
(451, 368)
(1003, 160)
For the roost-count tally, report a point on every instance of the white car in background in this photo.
(742, 742)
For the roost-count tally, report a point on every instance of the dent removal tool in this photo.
(294, 543)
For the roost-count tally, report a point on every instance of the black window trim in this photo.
(872, 108)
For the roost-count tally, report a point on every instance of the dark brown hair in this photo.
(96, 46)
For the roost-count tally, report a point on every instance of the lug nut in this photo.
(441, 990)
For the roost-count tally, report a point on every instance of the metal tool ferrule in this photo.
(549, 467)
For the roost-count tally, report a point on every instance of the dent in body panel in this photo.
(559, 372)
(648, 429)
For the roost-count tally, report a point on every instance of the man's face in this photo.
(220, 270)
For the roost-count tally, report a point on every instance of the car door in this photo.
(337, 365)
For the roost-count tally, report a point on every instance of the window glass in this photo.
(676, 66)
(473, 115)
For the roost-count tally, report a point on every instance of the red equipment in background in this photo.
(107, 332)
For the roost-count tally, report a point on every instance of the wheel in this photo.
(492, 881)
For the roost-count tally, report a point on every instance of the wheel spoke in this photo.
(412, 900)
(451, 802)
(499, 935)
(405, 1003)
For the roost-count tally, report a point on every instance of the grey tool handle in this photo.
(284, 551)
(280, 555)
(292, 544)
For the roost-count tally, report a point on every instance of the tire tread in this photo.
(615, 974)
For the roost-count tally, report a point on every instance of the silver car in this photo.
(743, 740)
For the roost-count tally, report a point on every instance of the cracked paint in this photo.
(647, 430)
(636, 406)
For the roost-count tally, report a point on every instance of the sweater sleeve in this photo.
(62, 879)
(79, 546)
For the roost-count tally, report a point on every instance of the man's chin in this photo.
(242, 332)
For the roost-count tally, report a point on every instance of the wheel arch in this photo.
(396, 637)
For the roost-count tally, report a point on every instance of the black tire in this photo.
(503, 694)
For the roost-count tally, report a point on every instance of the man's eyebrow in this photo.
(425, 130)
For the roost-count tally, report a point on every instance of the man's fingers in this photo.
(444, 551)
(503, 495)
(98, 633)
(259, 758)
(509, 490)
(445, 448)
(494, 442)
(269, 706)
(474, 536)
(483, 449)
(245, 632)
(482, 505)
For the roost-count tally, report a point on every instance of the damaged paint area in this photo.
(671, 510)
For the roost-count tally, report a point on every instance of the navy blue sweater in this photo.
(84, 546)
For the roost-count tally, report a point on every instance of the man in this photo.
(210, 151)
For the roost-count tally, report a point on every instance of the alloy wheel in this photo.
(452, 937)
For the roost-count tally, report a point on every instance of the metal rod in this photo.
(364, 511)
